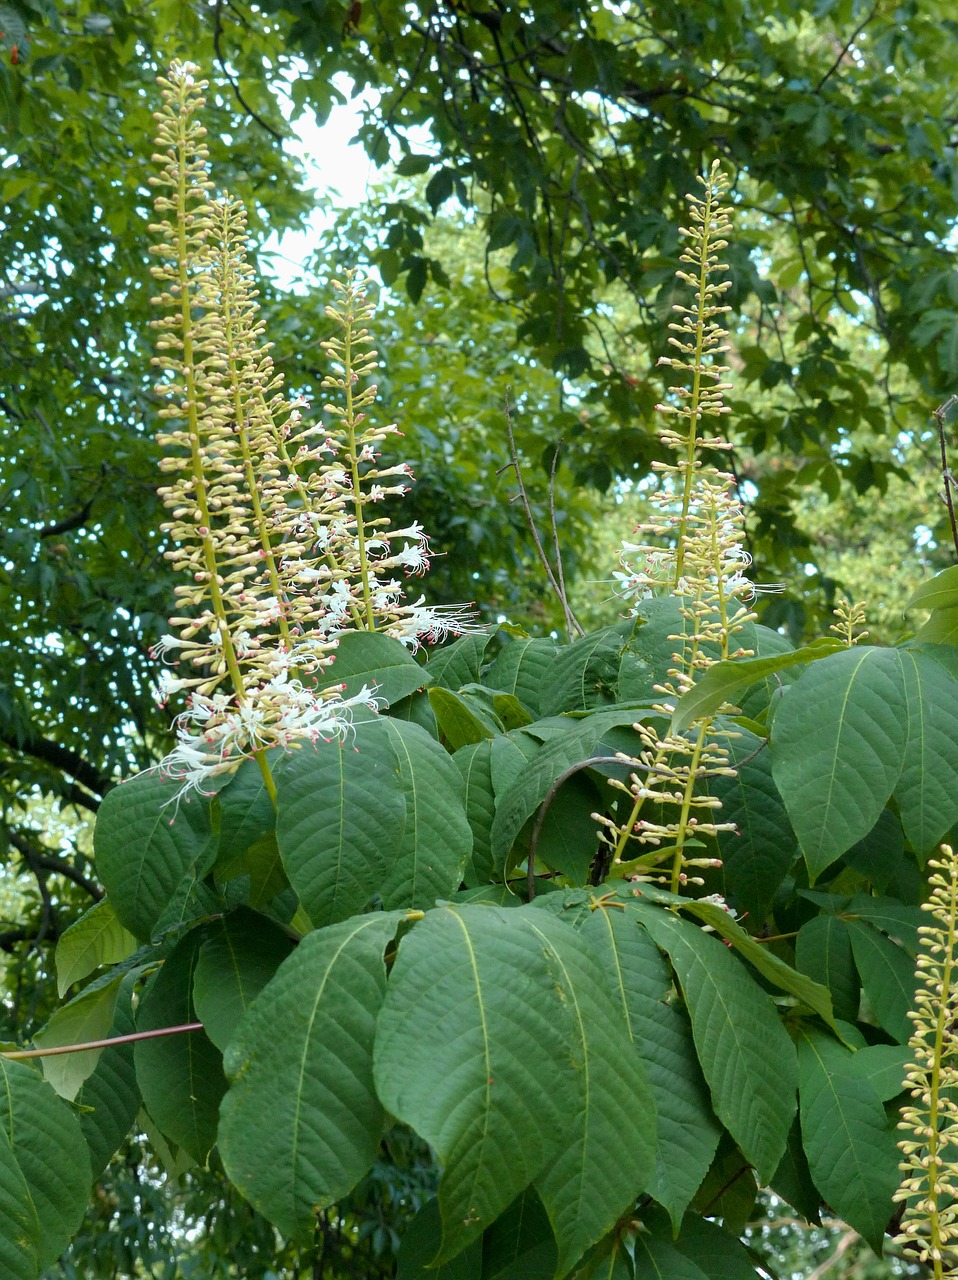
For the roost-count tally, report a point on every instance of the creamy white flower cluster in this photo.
(268, 524)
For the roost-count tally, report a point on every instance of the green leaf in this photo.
(722, 681)
(51, 1153)
(899, 920)
(939, 592)
(792, 1180)
(941, 628)
(656, 1258)
(640, 979)
(521, 668)
(879, 856)
(850, 1146)
(837, 747)
(436, 840)
(19, 1224)
(519, 1245)
(418, 1248)
(823, 950)
(745, 1053)
(883, 1066)
(925, 792)
(888, 978)
(458, 664)
(474, 763)
(110, 1099)
(240, 954)
(708, 1246)
(756, 856)
(488, 1089)
(89, 1016)
(246, 817)
(340, 813)
(567, 838)
(180, 1076)
(608, 1153)
(528, 791)
(584, 675)
(461, 721)
(301, 1121)
(147, 846)
(370, 658)
(96, 939)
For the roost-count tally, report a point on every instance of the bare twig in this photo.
(217, 35)
(47, 862)
(572, 625)
(570, 619)
(20, 1054)
(948, 478)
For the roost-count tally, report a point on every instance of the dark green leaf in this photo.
(382, 664)
(888, 978)
(240, 954)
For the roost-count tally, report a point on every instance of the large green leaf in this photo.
(925, 792)
(180, 1076)
(848, 1139)
(110, 1098)
(51, 1153)
(719, 1255)
(837, 749)
(436, 840)
(941, 627)
(89, 1016)
(746, 1055)
(372, 659)
(724, 680)
(97, 938)
(19, 1224)
(888, 978)
(533, 783)
(608, 1152)
(521, 668)
(756, 856)
(520, 1245)
(474, 763)
(482, 1083)
(641, 980)
(240, 954)
(246, 815)
(458, 664)
(585, 674)
(340, 812)
(462, 719)
(823, 950)
(939, 592)
(301, 1121)
(147, 845)
(418, 1248)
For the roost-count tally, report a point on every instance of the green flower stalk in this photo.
(267, 511)
(693, 549)
(929, 1190)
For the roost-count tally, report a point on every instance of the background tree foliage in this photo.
(541, 154)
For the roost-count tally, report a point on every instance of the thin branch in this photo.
(21, 1054)
(571, 621)
(946, 472)
(70, 522)
(48, 862)
(571, 624)
(60, 757)
(844, 49)
(217, 34)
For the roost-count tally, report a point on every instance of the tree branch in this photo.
(60, 757)
(49, 862)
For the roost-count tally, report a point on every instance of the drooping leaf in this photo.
(460, 663)
(686, 1127)
(418, 1248)
(180, 1076)
(521, 668)
(240, 954)
(837, 747)
(584, 675)
(925, 792)
(878, 857)
(823, 950)
(382, 664)
(436, 841)
(708, 1246)
(756, 856)
(301, 1122)
(729, 1189)
(792, 1180)
(246, 816)
(462, 721)
(109, 1099)
(51, 1154)
(19, 1224)
(520, 1245)
(745, 1053)
(941, 628)
(89, 1016)
(567, 840)
(474, 763)
(849, 1142)
(898, 919)
(608, 1153)
(96, 939)
(888, 978)
(340, 812)
(147, 845)
(724, 681)
(939, 592)
(656, 1258)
